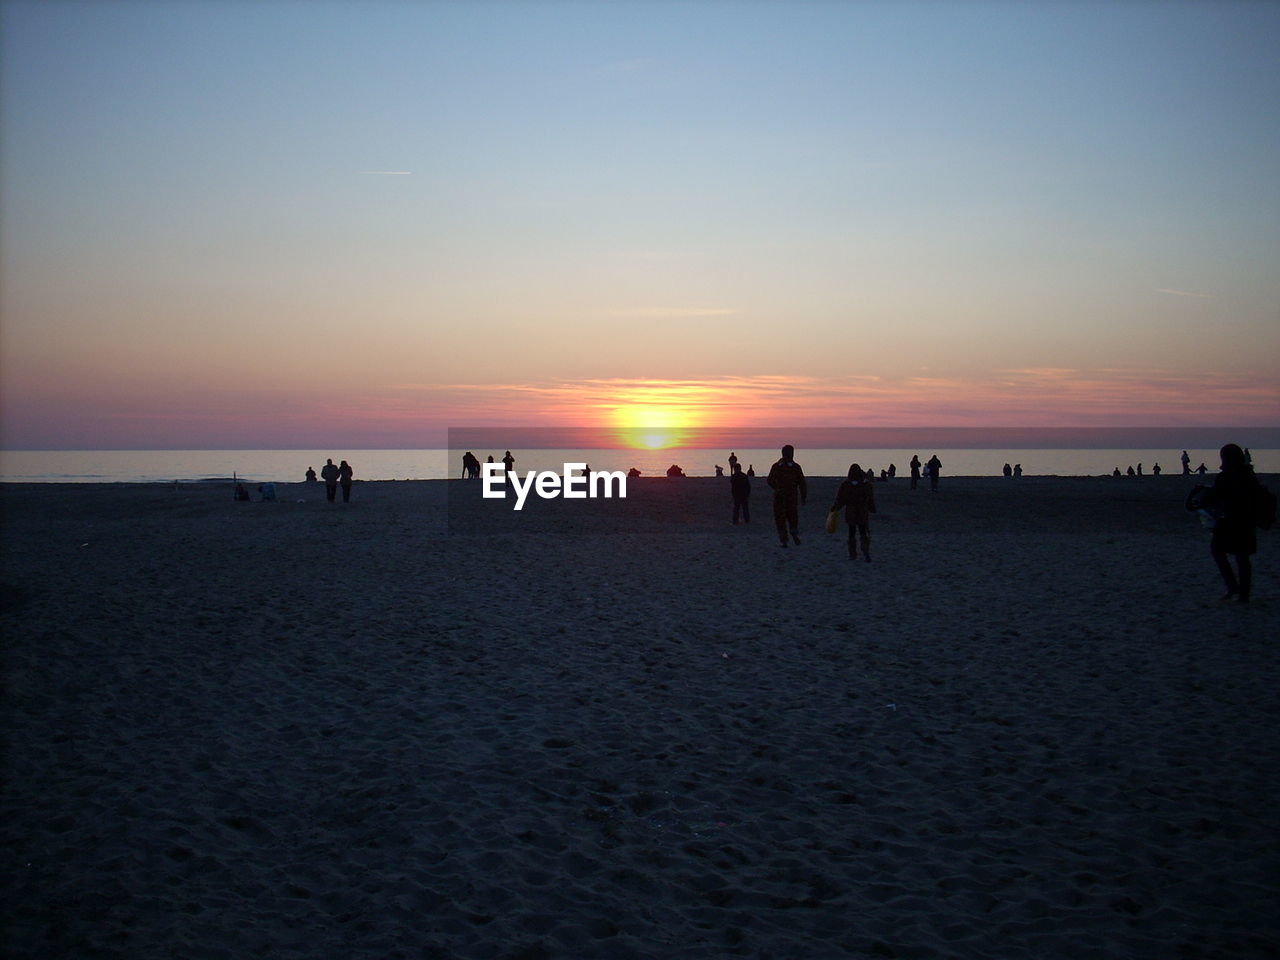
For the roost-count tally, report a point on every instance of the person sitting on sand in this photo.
(674, 471)
(1155, 471)
(633, 473)
(329, 474)
(1231, 502)
(740, 488)
(1115, 472)
(1017, 471)
(1130, 471)
(719, 470)
(857, 495)
(345, 473)
(267, 491)
(311, 474)
(1008, 470)
(751, 469)
(1202, 469)
(241, 493)
(789, 487)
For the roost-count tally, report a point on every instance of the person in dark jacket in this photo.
(915, 470)
(345, 473)
(329, 474)
(1232, 501)
(740, 487)
(857, 495)
(787, 480)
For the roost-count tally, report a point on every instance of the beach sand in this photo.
(409, 728)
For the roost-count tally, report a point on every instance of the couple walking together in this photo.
(790, 491)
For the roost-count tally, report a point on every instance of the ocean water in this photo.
(152, 466)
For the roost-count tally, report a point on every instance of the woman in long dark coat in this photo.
(1233, 501)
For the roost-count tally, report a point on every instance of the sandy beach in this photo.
(423, 726)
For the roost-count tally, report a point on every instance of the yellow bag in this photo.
(833, 521)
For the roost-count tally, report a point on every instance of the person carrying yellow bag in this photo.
(857, 495)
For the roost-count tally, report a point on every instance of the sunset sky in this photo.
(278, 224)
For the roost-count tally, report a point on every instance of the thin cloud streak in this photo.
(1183, 293)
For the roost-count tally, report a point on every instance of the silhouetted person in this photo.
(345, 473)
(1202, 469)
(1155, 470)
(241, 493)
(733, 461)
(467, 470)
(633, 473)
(1130, 471)
(1115, 472)
(508, 462)
(893, 471)
(915, 470)
(674, 471)
(329, 474)
(1008, 470)
(740, 487)
(935, 469)
(490, 460)
(1186, 464)
(1139, 469)
(720, 470)
(311, 474)
(751, 470)
(1017, 471)
(858, 497)
(1231, 501)
(789, 493)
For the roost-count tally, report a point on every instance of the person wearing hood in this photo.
(857, 495)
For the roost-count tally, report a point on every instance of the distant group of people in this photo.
(334, 476)
(471, 464)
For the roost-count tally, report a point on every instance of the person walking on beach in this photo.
(935, 467)
(1186, 464)
(740, 487)
(858, 497)
(345, 473)
(1231, 501)
(789, 494)
(915, 470)
(329, 474)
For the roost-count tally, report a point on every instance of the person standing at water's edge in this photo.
(508, 462)
(740, 487)
(345, 473)
(1232, 501)
(329, 474)
(915, 470)
(935, 468)
(789, 494)
(858, 497)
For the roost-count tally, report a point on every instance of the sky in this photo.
(298, 225)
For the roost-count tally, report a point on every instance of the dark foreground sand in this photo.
(603, 730)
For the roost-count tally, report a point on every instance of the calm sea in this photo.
(150, 466)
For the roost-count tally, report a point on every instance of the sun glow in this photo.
(641, 423)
